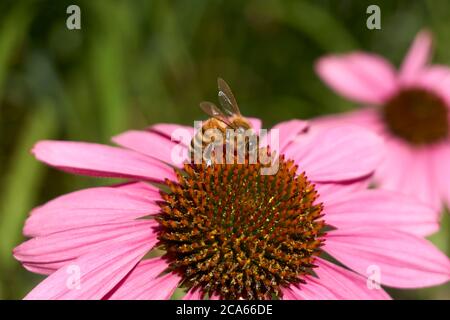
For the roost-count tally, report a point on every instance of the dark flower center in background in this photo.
(232, 232)
(418, 116)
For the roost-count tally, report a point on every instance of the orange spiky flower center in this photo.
(234, 233)
(418, 116)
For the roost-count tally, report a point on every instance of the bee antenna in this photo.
(219, 81)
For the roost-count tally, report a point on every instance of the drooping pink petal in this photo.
(384, 209)
(154, 145)
(140, 188)
(95, 274)
(47, 254)
(194, 294)
(214, 297)
(146, 283)
(417, 56)
(329, 192)
(345, 283)
(289, 294)
(90, 207)
(312, 290)
(338, 154)
(140, 287)
(335, 283)
(404, 260)
(100, 160)
(363, 77)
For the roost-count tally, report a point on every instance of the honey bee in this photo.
(227, 116)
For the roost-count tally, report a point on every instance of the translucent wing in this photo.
(213, 111)
(226, 99)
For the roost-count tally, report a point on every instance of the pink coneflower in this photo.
(228, 232)
(409, 108)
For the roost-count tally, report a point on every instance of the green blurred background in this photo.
(135, 63)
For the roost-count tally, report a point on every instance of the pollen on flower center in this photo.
(237, 234)
(417, 116)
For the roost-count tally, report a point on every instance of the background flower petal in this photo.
(409, 171)
(417, 56)
(362, 77)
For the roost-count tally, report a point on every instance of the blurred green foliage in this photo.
(136, 63)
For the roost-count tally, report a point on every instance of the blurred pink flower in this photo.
(409, 108)
(93, 243)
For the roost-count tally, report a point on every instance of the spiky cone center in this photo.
(417, 116)
(234, 233)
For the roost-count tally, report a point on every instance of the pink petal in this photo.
(169, 130)
(345, 283)
(336, 283)
(404, 260)
(410, 171)
(384, 209)
(144, 282)
(440, 164)
(286, 132)
(398, 155)
(49, 253)
(141, 189)
(329, 192)
(417, 56)
(289, 294)
(367, 117)
(214, 297)
(358, 76)
(154, 145)
(172, 132)
(255, 122)
(194, 294)
(436, 78)
(98, 272)
(100, 160)
(312, 290)
(90, 207)
(338, 154)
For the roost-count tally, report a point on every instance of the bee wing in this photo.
(213, 111)
(226, 99)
